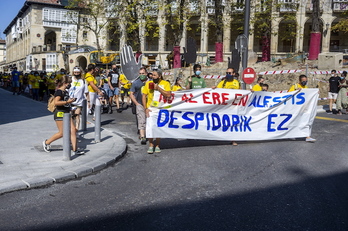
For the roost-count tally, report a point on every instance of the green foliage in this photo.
(342, 25)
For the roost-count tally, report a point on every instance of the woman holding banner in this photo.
(156, 84)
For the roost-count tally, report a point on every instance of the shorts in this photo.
(15, 83)
(141, 116)
(112, 93)
(124, 92)
(332, 95)
(58, 115)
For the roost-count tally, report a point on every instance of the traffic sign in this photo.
(248, 75)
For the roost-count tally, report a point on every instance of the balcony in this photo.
(339, 6)
(288, 7)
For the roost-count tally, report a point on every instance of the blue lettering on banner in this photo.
(281, 124)
(214, 121)
(266, 101)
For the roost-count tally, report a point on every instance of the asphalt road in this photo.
(199, 185)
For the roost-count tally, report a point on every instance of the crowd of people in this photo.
(112, 88)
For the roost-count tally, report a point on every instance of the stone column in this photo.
(227, 36)
(161, 20)
(204, 36)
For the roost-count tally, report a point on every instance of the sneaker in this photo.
(46, 147)
(143, 140)
(309, 139)
(150, 150)
(157, 150)
(329, 112)
(78, 152)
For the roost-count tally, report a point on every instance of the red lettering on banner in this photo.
(205, 97)
(224, 98)
(244, 100)
(167, 99)
(216, 98)
(188, 99)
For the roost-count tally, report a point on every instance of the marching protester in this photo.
(15, 81)
(79, 92)
(265, 87)
(258, 86)
(93, 90)
(342, 100)
(137, 99)
(301, 85)
(177, 85)
(62, 102)
(196, 81)
(156, 84)
(114, 86)
(229, 83)
(333, 89)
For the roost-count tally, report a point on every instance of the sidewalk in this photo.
(24, 124)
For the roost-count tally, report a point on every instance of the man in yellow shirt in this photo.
(301, 84)
(258, 86)
(156, 84)
(229, 82)
(125, 87)
(92, 88)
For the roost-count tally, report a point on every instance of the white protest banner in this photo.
(227, 114)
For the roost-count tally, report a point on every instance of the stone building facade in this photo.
(40, 36)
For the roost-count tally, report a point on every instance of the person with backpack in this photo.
(62, 102)
(114, 87)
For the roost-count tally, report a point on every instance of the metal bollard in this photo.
(66, 136)
(84, 115)
(97, 128)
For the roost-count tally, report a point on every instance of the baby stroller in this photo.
(104, 101)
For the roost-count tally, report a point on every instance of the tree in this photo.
(342, 24)
(266, 12)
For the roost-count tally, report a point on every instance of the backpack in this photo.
(50, 105)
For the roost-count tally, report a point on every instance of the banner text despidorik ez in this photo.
(225, 114)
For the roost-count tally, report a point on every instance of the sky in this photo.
(10, 9)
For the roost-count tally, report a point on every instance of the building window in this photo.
(84, 35)
(58, 17)
(69, 34)
(51, 62)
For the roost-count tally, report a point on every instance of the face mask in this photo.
(52, 77)
(114, 69)
(142, 77)
(69, 85)
(342, 78)
(77, 76)
(62, 73)
(261, 84)
(304, 83)
(156, 80)
(264, 90)
(332, 75)
(229, 77)
(198, 72)
(36, 75)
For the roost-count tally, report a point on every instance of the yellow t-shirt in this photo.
(176, 88)
(35, 82)
(90, 78)
(234, 84)
(125, 82)
(165, 85)
(257, 87)
(51, 84)
(296, 87)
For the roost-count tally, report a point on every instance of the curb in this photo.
(107, 158)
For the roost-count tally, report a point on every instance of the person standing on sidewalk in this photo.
(333, 89)
(156, 84)
(298, 86)
(63, 105)
(114, 87)
(78, 91)
(137, 99)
